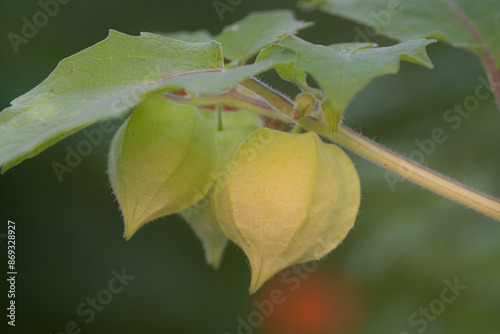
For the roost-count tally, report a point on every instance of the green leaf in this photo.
(408, 19)
(106, 81)
(197, 36)
(38, 150)
(285, 60)
(245, 38)
(103, 81)
(342, 75)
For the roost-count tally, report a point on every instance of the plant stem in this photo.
(407, 169)
(297, 129)
(279, 106)
(220, 121)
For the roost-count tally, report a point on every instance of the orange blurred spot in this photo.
(310, 312)
(319, 302)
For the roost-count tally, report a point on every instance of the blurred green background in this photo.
(406, 243)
